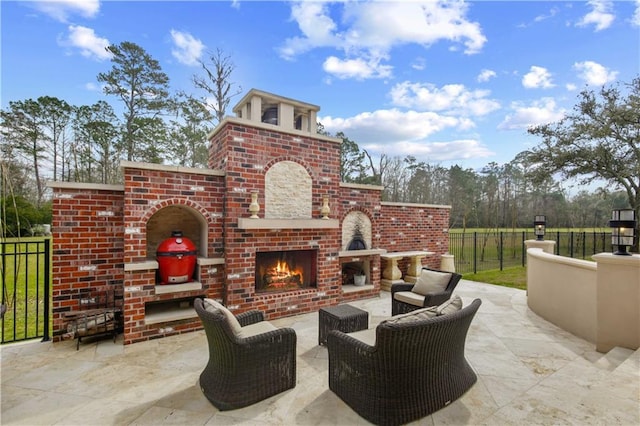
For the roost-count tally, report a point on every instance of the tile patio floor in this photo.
(529, 372)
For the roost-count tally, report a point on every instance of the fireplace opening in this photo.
(286, 270)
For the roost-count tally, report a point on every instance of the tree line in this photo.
(49, 139)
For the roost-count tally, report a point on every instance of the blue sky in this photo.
(446, 82)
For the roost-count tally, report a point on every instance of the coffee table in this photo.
(345, 318)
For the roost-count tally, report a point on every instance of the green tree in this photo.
(351, 158)
(55, 116)
(139, 82)
(21, 128)
(188, 132)
(599, 140)
(94, 155)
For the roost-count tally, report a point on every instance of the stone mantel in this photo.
(278, 224)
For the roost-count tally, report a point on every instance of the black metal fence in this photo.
(481, 251)
(26, 287)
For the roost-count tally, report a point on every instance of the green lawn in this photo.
(22, 296)
(515, 277)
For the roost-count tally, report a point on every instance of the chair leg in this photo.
(78, 343)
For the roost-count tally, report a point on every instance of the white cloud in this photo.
(188, 48)
(635, 19)
(453, 99)
(391, 125)
(61, 10)
(599, 16)
(486, 75)
(594, 74)
(86, 40)
(359, 68)
(399, 133)
(539, 112)
(368, 31)
(462, 149)
(536, 78)
(92, 87)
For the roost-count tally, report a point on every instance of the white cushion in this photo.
(417, 315)
(409, 297)
(213, 306)
(256, 328)
(452, 305)
(431, 282)
(367, 336)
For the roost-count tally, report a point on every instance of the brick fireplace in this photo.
(274, 227)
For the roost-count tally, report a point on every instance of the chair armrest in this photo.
(284, 337)
(435, 299)
(343, 341)
(401, 287)
(250, 317)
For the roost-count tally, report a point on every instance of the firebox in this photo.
(279, 271)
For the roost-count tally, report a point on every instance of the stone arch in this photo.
(288, 191)
(176, 214)
(356, 225)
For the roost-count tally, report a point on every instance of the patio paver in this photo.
(529, 372)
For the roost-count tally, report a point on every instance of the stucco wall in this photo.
(562, 290)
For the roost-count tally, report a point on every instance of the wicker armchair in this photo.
(413, 369)
(244, 370)
(416, 301)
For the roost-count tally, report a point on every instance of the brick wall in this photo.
(88, 250)
(408, 227)
(106, 236)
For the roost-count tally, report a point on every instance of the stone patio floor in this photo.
(529, 372)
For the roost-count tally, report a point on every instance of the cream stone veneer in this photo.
(351, 223)
(287, 192)
(597, 301)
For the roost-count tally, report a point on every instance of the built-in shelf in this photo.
(167, 311)
(248, 223)
(361, 253)
(169, 314)
(350, 288)
(178, 288)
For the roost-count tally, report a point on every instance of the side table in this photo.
(345, 318)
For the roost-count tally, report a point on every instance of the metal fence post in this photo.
(47, 288)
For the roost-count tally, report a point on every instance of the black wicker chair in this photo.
(413, 369)
(242, 371)
(431, 299)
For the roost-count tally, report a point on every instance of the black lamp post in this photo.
(539, 225)
(623, 224)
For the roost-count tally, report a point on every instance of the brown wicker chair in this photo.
(431, 299)
(242, 371)
(413, 369)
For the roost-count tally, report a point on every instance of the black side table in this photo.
(345, 318)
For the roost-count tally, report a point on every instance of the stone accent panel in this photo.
(287, 192)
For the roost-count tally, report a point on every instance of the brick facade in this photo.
(106, 236)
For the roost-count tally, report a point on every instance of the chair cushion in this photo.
(409, 297)
(256, 328)
(367, 336)
(417, 315)
(431, 282)
(214, 306)
(452, 305)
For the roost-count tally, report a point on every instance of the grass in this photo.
(514, 277)
(23, 296)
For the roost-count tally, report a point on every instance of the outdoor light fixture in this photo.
(539, 224)
(623, 224)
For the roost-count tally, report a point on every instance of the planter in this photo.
(359, 280)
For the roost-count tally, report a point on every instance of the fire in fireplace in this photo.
(286, 270)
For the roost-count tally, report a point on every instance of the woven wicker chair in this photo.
(242, 371)
(432, 299)
(413, 369)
